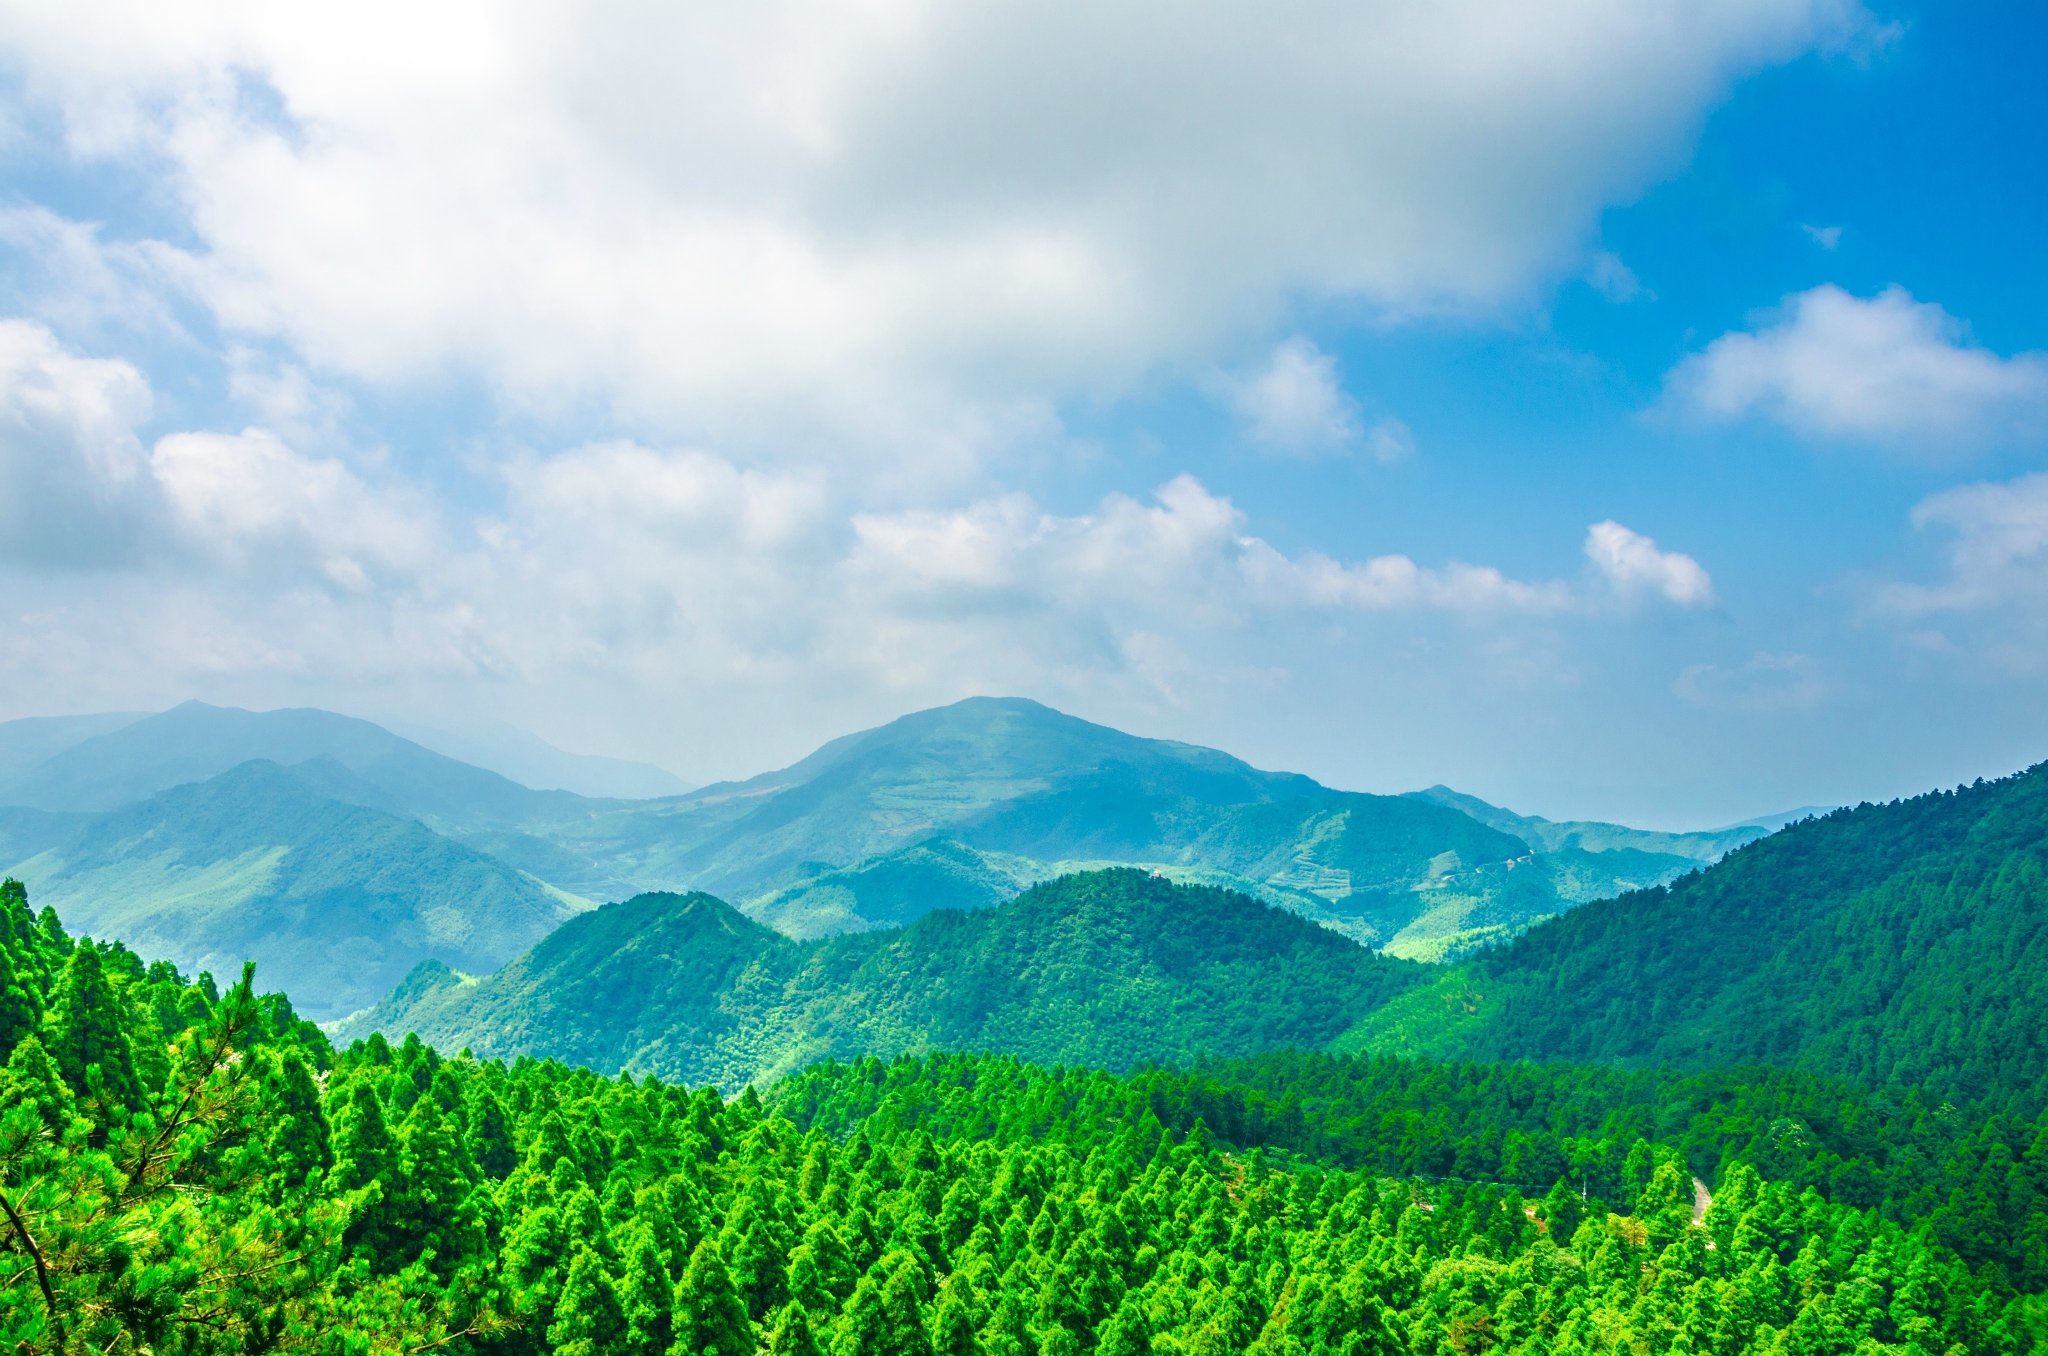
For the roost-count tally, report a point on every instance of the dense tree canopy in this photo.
(242, 1187)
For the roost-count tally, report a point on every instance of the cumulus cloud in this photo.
(1612, 278)
(918, 224)
(74, 479)
(1633, 566)
(1887, 370)
(79, 488)
(678, 567)
(1997, 549)
(248, 498)
(1296, 403)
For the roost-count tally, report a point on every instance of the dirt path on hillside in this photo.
(1701, 1199)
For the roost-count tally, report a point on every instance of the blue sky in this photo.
(1632, 409)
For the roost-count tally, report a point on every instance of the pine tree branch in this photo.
(35, 1254)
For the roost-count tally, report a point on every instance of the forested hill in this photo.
(192, 1172)
(1110, 968)
(281, 866)
(1904, 943)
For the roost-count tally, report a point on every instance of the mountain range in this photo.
(1897, 945)
(209, 833)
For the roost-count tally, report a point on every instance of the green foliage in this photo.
(978, 1204)
(1897, 945)
(1111, 968)
(332, 898)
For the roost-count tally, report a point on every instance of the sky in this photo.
(1633, 409)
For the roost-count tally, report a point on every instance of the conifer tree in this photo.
(710, 1317)
(489, 1132)
(791, 1334)
(646, 1296)
(84, 1031)
(435, 1210)
(23, 970)
(32, 1081)
(365, 1169)
(588, 1319)
(297, 1138)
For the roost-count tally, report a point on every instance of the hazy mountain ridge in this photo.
(194, 742)
(533, 762)
(27, 742)
(335, 898)
(955, 807)
(1030, 791)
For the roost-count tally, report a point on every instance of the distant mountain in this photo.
(959, 806)
(25, 743)
(1110, 968)
(898, 888)
(1593, 837)
(1772, 823)
(971, 763)
(333, 899)
(194, 741)
(533, 762)
(1901, 943)
(956, 807)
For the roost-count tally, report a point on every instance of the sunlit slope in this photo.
(1905, 943)
(1109, 968)
(333, 899)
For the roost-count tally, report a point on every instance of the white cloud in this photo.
(1296, 403)
(67, 274)
(78, 488)
(1188, 558)
(918, 223)
(74, 479)
(1997, 553)
(1765, 682)
(247, 499)
(1612, 278)
(1827, 237)
(1634, 568)
(1390, 440)
(1885, 370)
(673, 569)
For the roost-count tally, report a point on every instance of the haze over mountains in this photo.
(209, 834)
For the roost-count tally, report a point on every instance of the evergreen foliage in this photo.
(1111, 968)
(1901, 945)
(955, 1204)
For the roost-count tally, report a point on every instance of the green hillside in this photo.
(869, 794)
(1110, 968)
(337, 900)
(1904, 944)
(894, 889)
(195, 1173)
